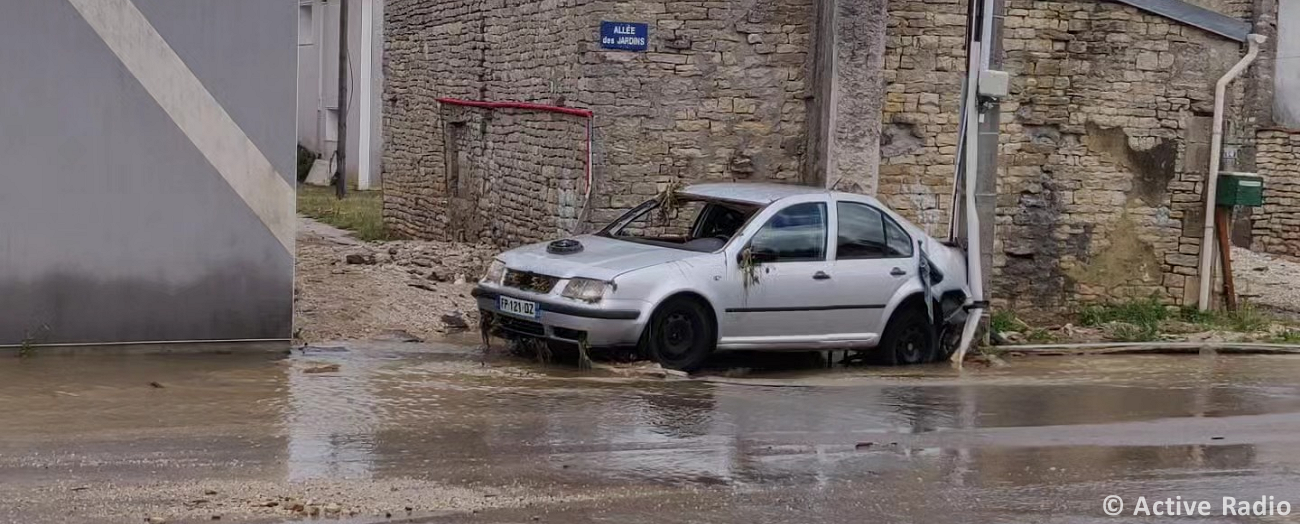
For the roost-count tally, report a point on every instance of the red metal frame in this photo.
(517, 105)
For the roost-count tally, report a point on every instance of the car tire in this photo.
(681, 334)
(908, 339)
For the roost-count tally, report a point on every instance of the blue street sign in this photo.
(624, 35)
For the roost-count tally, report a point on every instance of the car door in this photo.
(873, 257)
(776, 294)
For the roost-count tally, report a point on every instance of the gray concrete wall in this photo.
(124, 220)
(1286, 95)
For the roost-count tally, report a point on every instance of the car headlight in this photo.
(586, 289)
(496, 271)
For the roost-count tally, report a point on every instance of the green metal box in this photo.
(1240, 189)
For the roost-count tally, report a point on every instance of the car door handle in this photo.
(898, 272)
(821, 275)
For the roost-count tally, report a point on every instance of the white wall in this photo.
(318, 83)
(1286, 98)
(308, 76)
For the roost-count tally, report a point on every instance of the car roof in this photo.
(762, 194)
(756, 193)
(766, 193)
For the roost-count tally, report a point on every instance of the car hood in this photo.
(601, 258)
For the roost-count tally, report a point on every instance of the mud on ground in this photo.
(347, 289)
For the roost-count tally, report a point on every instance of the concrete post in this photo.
(990, 119)
(850, 50)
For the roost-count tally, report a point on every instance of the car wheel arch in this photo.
(916, 298)
(913, 299)
(691, 295)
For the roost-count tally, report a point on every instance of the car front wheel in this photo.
(908, 338)
(681, 334)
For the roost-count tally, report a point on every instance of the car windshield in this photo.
(694, 224)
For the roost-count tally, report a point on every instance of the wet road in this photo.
(433, 429)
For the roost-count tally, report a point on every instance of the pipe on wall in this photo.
(1211, 181)
(975, 276)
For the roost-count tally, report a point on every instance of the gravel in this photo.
(265, 501)
(406, 285)
(1267, 280)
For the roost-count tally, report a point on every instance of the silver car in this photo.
(716, 267)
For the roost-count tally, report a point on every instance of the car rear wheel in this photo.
(681, 334)
(908, 338)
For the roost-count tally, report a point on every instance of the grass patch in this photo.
(1140, 320)
(1139, 312)
(361, 212)
(1289, 336)
(1006, 321)
(1003, 321)
(1125, 332)
(1040, 336)
(27, 347)
(1136, 320)
(1245, 319)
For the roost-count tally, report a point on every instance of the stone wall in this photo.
(1276, 226)
(1104, 146)
(719, 95)
(511, 175)
(1105, 136)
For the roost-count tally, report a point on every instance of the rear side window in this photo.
(866, 233)
(900, 244)
(795, 234)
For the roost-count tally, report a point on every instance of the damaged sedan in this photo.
(730, 266)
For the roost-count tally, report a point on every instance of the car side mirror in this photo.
(759, 256)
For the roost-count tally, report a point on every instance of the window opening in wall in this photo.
(454, 157)
(305, 36)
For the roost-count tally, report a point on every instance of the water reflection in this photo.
(331, 420)
(440, 415)
(444, 422)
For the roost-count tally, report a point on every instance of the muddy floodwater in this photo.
(434, 433)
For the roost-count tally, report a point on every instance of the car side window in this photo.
(718, 221)
(866, 233)
(900, 243)
(794, 234)
(861, 234)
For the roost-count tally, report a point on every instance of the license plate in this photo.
(518, 307)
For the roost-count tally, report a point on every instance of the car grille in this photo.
(520, 326)
(534, 282)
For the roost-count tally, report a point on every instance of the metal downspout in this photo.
(1211, 182)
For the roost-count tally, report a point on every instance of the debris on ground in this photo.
(348, 289)
(986, 359)
(360, 258)
(308, 350)
(397, 335)
(642, 369)
(455, 322)
(326, 368)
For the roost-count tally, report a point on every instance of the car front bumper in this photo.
(613, 326)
